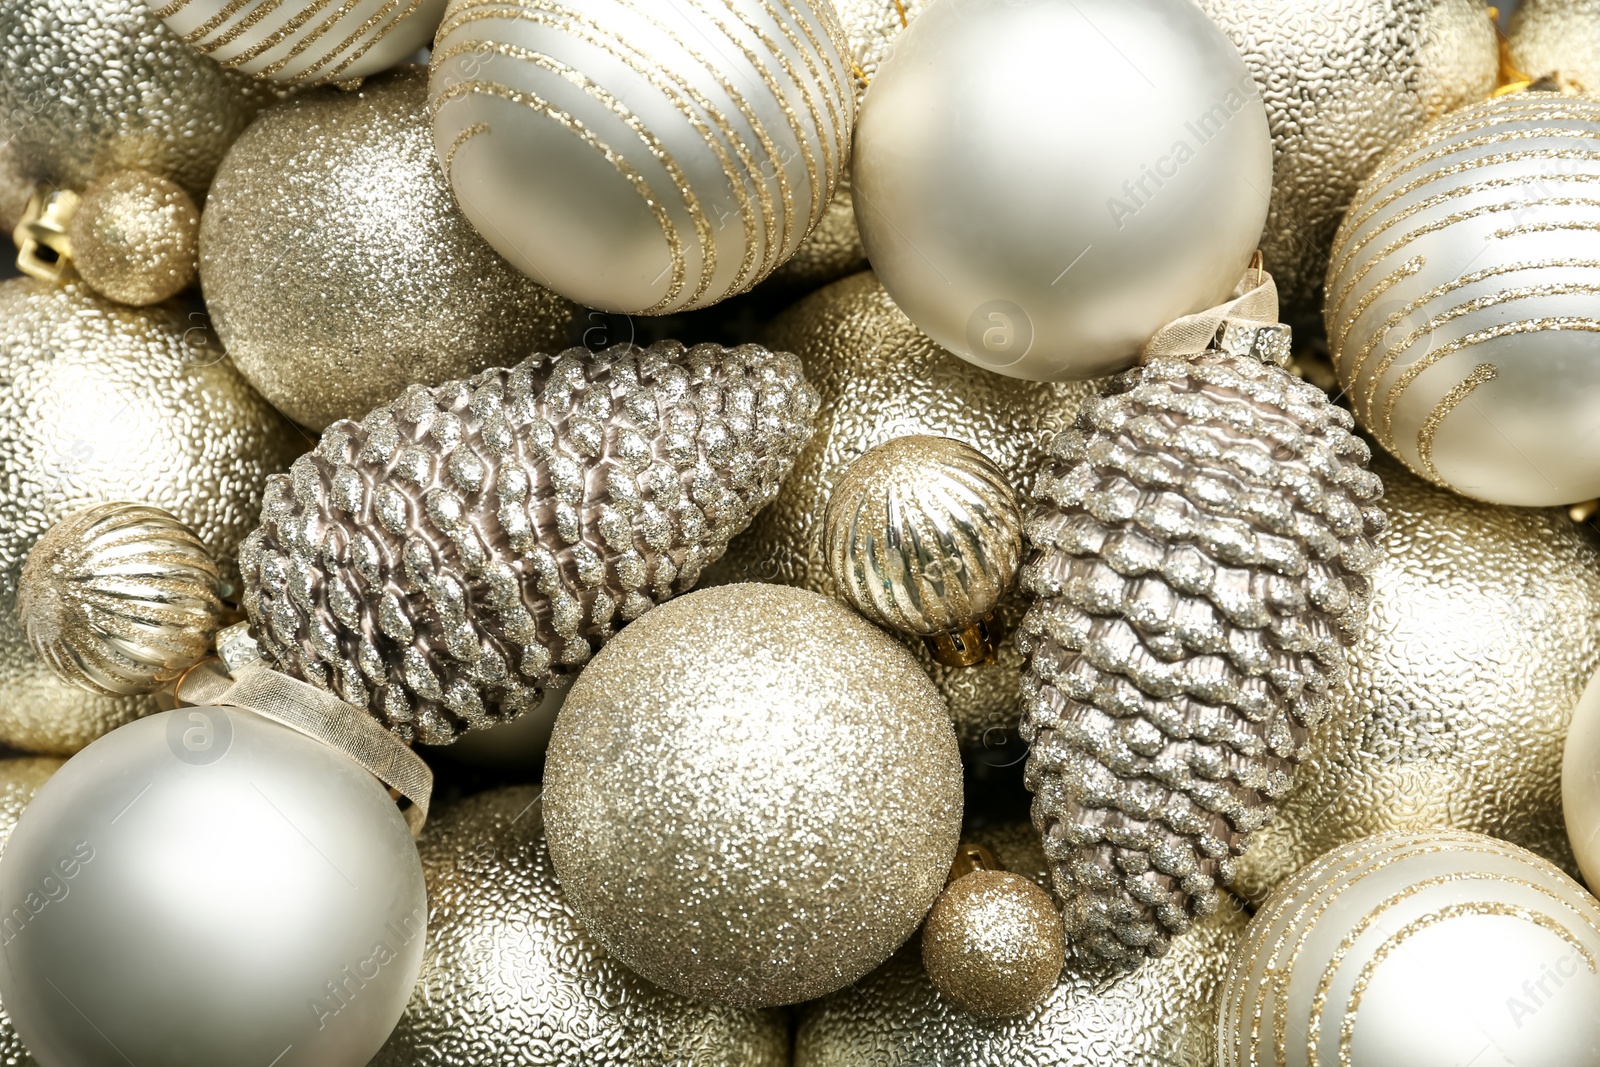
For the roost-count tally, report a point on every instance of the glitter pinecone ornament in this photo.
(1197, 551)
(440, 561)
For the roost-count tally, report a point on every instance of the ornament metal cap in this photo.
(44, 250)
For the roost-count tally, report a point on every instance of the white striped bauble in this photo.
(304, 42)
(642, 157)
(1417, 950)
(1463, 300)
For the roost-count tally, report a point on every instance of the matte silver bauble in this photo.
(120, 598)
(642, 160)
(1580, 782)
(20, 778)
(1042, 186)
(204, 886)
(1557, 38)
(1422, 949)
(304, 44)
(1463, 301)
(753, 795)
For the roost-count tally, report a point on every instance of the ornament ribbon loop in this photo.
(1254, 304)
(243, 680)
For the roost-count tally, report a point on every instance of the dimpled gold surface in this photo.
(1560, 37)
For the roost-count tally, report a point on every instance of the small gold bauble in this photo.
(339, 269)
(512, 978)
(993, 943)
(105, 402)
(1480, 638)
(881, 378)
(20, 778)
(135, 237)
(1557, 38)
(1161, 1015)
(119, 598)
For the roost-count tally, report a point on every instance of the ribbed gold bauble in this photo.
(1343, 82)
(880, 378)
(511, 978)
(92, 86)
(1560, 38)
(20, 778)
(135, 238)
(1483, 630)
(104, 402)
(1161, 1015)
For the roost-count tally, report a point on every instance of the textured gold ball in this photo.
(20, 778)
(89, 87)
(339, 269)
(135, 238)
(1162, 1014)
(105, 402)
(881, 378)
(1343, 82)
(753, 795)
(993, 943)
(1559, 38)
(1417, 948)
(512, 978)
(1480, 638)
(119, 598)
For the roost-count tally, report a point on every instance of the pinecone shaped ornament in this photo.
(440, 561)
(1197, 549)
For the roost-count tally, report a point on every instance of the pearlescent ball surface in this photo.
(205, 886)
(1580, 782)
(753, 795)
(1043, 184)
(19, 780)
(511, 977)
(104, 402)
(338, 268)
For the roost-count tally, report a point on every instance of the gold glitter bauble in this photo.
(754, 795)
(88, 87)
(880, 378)
(1161, 1015)
(20, 778)
(1483, 629)
(1418, 949)
(339, 269)
(1559, 38)
(104, 402)
(135, 238)
(120, 598)
(1343, 82)
(993, 943)
(511, 977)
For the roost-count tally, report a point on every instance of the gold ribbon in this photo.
(1254, 303)
(247, 683)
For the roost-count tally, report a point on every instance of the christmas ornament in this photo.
(1557, 38)
(1580, 783)
(20, 778)
(1050, 242)
(119, 598)
(1464, 301)
(924, 536)
(832, 251)
(753, 796)
(339, 269)
(210, 885)
(511, 977)
(439, 561)
(1425, 949)
(881, 378)
(870, 28)
(1480, 637)
(304, 44)
(112, 403)
(1198, 552)
(732, 139)
(993, 942)
(17, 186)
(135, 237)
(1343, 83)
(1164, 1013)
(89, 87)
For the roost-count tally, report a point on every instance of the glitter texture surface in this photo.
(753, 795)
(104, 402)
(1560, 37)
(135, 238)
(993, 943)
(511, 977)
(339, 269)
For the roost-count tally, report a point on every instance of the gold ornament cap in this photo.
(44, 244)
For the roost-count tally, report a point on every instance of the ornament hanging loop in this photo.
(1246, 324)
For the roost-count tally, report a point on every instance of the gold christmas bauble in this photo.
(135, 238)
(512, 978)
(88, 87)
(1161, 1015)
(20, 778)
(994, 943)
(1484, 628)
(1559, 38)
(339, 269)
(1343, 82)
(105, 402)
(881, 378)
